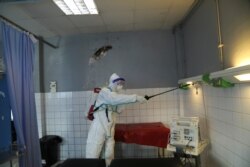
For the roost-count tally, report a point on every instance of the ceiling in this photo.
(44, 18)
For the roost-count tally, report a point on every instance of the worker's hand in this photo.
(140, 99)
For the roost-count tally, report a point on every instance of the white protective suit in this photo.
(102, 129)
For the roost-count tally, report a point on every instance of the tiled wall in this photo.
(227, 125)
(228, 122)
(63, 114)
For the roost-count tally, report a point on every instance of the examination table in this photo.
(151, 134)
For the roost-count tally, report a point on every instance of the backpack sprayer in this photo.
(179, 87)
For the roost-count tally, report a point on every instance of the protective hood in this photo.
(114, 78)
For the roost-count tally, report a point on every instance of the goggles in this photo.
(118, 79)
(120, 82)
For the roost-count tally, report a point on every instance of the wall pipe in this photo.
(193, 8)
(220, 45)
(23, 29)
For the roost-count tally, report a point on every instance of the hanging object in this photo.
(99, 54)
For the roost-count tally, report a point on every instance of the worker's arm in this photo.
(113, 98)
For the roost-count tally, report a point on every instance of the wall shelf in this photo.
(227, 74)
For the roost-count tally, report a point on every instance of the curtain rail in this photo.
(23, 29)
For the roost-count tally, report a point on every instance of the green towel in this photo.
(206, 78)
(217, 82)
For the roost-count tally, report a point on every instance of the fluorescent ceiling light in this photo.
(243, 77)
(77, 7)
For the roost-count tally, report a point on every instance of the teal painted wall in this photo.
(146, 59)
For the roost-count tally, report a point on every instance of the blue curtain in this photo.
(19, 54)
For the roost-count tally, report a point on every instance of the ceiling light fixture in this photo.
(77, 7)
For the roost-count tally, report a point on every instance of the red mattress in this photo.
(151, 134)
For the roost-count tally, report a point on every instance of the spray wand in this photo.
(180, 87)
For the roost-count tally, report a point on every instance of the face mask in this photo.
(119, 87)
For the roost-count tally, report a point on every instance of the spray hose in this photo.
(181, 86)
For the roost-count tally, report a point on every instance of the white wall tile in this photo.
(65, 115)
(240, 162)
(245, 105)
(228, 120)
(244, 90)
